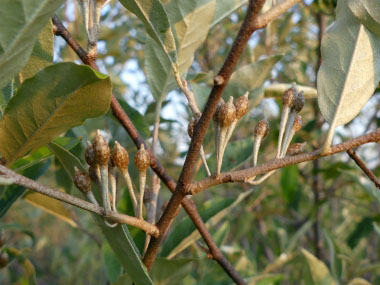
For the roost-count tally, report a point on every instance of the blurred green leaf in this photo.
(21, 23)
(359, 281)
(290, 185)
(316, 272)
(112, 264)
(167, 272)
(224, 8)
(57, 98)
(362, 229)
(137, 119)
(185, 233)
(30, 272)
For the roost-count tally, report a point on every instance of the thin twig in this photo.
(64, 197)
(245, 174)
(364, 167)
(128, 125)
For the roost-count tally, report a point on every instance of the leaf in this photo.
(359, 281)
(185, 233)
(276, 90)
(191, 20)
(57, 98)
(362, 229)
(316, 270)
(350, 69)
(50, 205)
(156, 22)
(137, 119)
(167, 272)
(368, 13)
(12, 192)
(290, 185)
(21, 22)
(119, 237)
(224, 8)
(5, 94)
(43, 153)
(112, 264)
(30, 272)
(42, 54)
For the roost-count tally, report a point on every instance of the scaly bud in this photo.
(4, 259)
(241, 105)
(296, 148)
(142, 159)
(101, 149)
(82, 181)
(227, 114)
(89, 154)
(120, 156)
(262, 129)
(298, 102)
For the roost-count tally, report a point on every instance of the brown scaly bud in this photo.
(120, 156)
(101, 149)
(190, 128)
(92, 173)
(227, 114)
(4, 259)
(288, 96)
(297, 125)
(3, 238)
(241, 105)
(296, 148)
(142, 159)
(89, 154)
(298, 102)
(217, 111)
(262, 129)
(82, 181)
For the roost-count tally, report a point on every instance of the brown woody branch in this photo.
(201, 127)
(364, 167)
(243, 175)
(64, 197)
(128, 125)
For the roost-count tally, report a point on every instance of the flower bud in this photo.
(120, 156)
(101, 149)
(262, 129)
(93, 173)
(217, 111)
(227, 114)
(82, 181)
(288, 96)
(298, 102)
(296, 148)
(297, 125)
(241, 105)
(89, 154)
(3, 238)
(142, 159)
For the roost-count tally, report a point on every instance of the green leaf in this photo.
(185, 233)
(191, 20)
(350, 69)
(359, 281)
(137, 119)
(156, 22)
(42, 54)
(119, 237)
(21, 22)
(316, 272)
(224, 8)
(12, 192)
(57, 98)
(362, 229)
(290, 185)
(43, 153)
(51, 206)
(368, 13)
(5, 94)
(112, 264)
(29, 269)
(167, 272)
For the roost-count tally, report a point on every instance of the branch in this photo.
(64, 197)
(264, 19)
(128, 125)
(201, 127)
(364, 167)
(245, 174)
